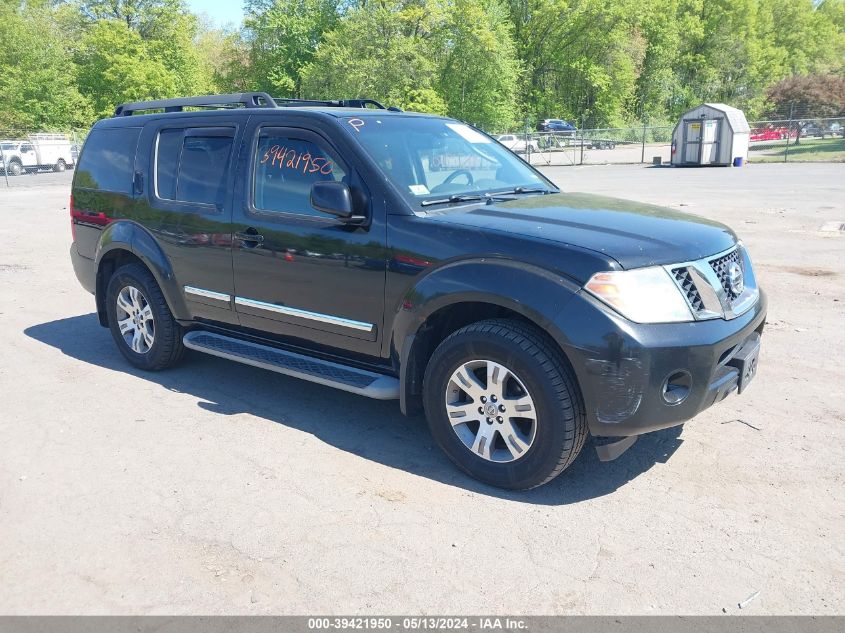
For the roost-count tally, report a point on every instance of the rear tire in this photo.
(140, 321)
(537, 425)
(60, 166)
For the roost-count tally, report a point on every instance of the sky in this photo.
(221, 11)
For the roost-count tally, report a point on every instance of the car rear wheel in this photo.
(503, 405)
(140, 321)
(60, 166)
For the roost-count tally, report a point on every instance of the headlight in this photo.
(643, 295)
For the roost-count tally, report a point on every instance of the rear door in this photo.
(185, 170)
(299, 272)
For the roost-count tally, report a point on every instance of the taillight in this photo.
(72, 220)
(90, 218)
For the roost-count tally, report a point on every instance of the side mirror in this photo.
(334, 198)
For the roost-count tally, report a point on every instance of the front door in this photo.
(298, 272)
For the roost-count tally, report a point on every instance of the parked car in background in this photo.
(556, 125)
(36, 152)
(771, 134)
(517, 143)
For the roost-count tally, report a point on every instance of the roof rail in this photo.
(338, 103)
(245, 99)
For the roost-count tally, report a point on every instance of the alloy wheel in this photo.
(491, 411)
(135, 320)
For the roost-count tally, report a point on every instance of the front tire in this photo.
(140, 321)
(15, 168)
(502, 403)
(60, 166)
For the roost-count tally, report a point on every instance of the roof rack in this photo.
(241, 99)
(244, 99)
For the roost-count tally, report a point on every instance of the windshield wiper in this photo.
(486, 197)
(460, 197)
(518, 190)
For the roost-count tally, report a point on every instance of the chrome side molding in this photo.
(208, 294)
(305, 314)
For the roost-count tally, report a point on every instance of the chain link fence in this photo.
(783, 140)
(788, 140)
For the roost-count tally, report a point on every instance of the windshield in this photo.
(428, 158)
(9, 146)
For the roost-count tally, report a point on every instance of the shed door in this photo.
(710, 141)
(692, 141)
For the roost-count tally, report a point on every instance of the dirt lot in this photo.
(220, 488)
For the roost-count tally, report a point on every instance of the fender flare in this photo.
(129, 236)
(534, 293)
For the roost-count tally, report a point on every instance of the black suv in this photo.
(412, 257)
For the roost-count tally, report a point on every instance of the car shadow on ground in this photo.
(368, 428)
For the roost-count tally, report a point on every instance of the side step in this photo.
(352, 379)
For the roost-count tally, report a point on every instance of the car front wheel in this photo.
(503, 405)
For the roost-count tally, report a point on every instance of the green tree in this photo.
(37, 85)
(115, 66)
(225, 58)
(381, 50)
(582, 57)
(480, 73)
(283, 36)
(169, 32)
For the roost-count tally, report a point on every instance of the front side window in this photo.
(286, 167)
(428, 158)
(192, 164)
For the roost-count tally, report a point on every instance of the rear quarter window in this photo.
(107, 161)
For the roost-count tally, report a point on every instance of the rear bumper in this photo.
(85, 269)
(623, 367)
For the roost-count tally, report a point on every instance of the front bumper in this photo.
(622, 367)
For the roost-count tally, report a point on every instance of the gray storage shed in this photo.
(711, 134)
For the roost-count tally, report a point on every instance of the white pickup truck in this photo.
(36, 152)
(517, 143)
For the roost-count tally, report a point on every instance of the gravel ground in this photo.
(219, 488)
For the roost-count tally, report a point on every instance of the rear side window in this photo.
(108, 160)
(192, 164)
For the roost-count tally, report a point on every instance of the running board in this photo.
(352, 379)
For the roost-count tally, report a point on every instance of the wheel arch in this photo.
(124, 242)
(430, 312)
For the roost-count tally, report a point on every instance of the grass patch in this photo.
(817, 150)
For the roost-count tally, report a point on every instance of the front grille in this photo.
(684, 279)
(720, 267)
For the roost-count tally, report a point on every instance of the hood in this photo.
(632, 233)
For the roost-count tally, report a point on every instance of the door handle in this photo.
(250, 235)
(138, 183)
